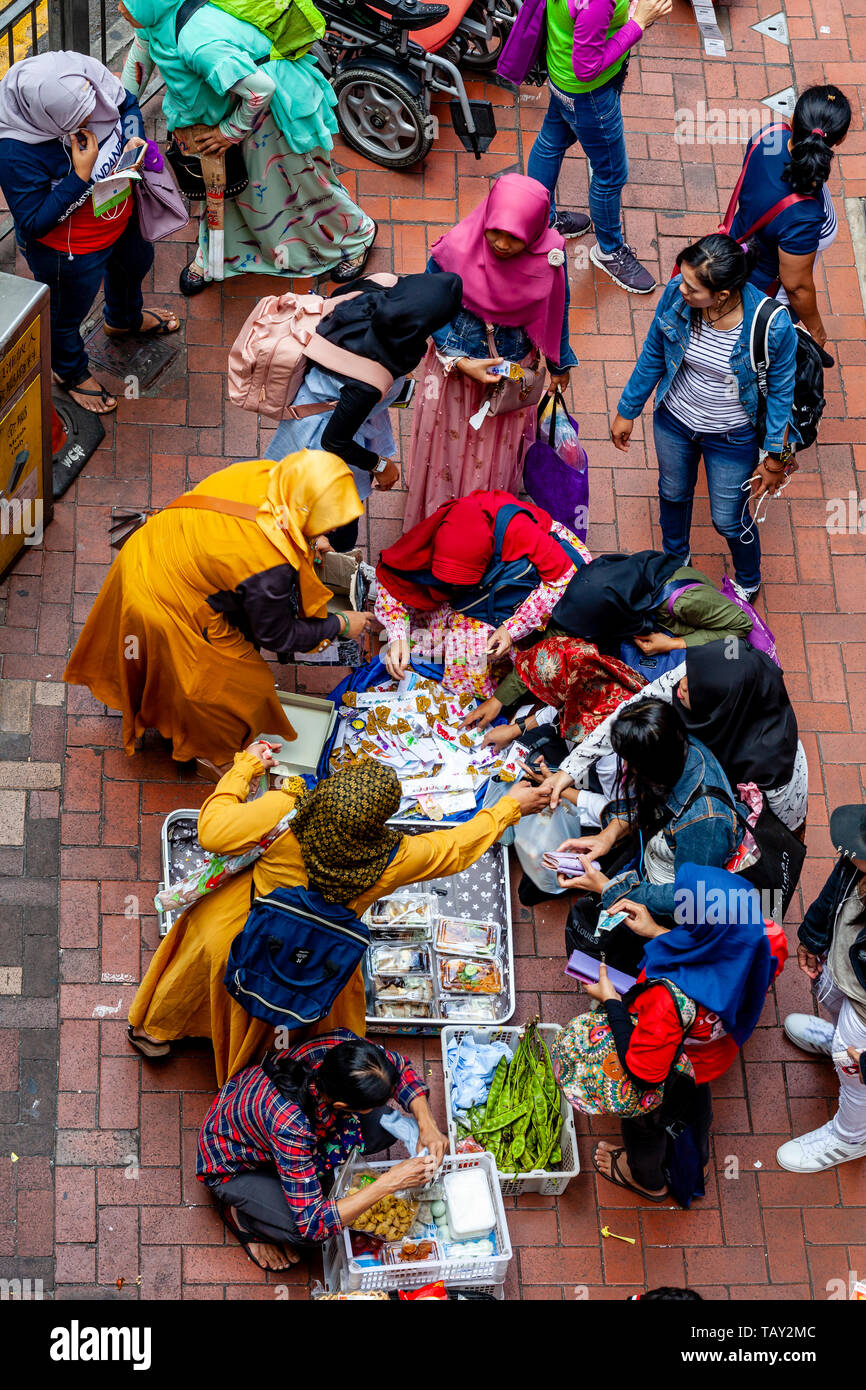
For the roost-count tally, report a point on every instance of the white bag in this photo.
(538, 835)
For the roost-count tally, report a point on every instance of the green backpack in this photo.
(292, 26)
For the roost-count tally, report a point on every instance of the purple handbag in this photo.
(161, 209)
(760, 637)
(561, 488)
(524, 48)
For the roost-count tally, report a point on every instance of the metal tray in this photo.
(482, 890)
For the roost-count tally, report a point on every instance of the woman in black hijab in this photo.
(733, 699)
(389, 324)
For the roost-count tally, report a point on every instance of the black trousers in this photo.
(645, 1137)
(261, 1203)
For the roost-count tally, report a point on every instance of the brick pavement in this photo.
(126, 1204)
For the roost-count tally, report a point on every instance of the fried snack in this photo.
(390, 1218)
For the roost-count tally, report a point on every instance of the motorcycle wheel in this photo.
(380, 118)
(481, 58)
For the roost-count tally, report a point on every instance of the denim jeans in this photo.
(74, 284)
(594, 119)
(729, 460)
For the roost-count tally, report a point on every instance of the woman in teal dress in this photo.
(294, 217)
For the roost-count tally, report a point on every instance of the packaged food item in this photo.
(464, 936)
(403, 910)
(390, 1218)
(435, 1293)
(465, 1009)
(418, 988)
(471, 1215)
(462, 975)
(411, 1252)
(392, 959)
(402, 1008)
(858, 1293)
(364, 1295)
(512, 370)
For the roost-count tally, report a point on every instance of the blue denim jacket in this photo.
(466, 336)
(665, 347)
(707, 832)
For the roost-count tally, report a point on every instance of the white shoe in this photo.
(810, 1033)
(820, 1149)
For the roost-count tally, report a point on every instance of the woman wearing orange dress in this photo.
(172, 640)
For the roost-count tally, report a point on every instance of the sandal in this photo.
(160, 329)
(148, 1049)
(246, 1238)
(616, 1177)
(349, 270)
(100, 393)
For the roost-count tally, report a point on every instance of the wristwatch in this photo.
(381, 466)
(521, 724)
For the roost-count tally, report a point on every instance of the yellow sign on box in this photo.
(18, 361)
(21, 510)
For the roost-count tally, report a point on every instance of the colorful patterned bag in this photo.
(588, 1070)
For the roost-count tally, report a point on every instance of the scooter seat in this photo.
(433, 39)
(414, 16)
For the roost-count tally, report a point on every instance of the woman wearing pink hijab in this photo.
(512, 265)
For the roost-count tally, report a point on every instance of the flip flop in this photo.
(349, 270)
(147, 1048)
(101, 393)
(246, 1238)
(617, 1179)
(160, 329)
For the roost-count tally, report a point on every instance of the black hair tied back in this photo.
(821, 120)
(357, 1073)
(720, 263)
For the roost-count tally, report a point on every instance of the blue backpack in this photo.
(294, 955)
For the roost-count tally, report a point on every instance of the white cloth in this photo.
(849, 1122)
(829, 230)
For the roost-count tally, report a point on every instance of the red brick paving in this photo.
(125, 1203)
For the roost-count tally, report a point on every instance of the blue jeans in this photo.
(729, 459)
(594, 119)
(74, 284)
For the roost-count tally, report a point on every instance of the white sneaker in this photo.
(810, 1033)
(820, 1149)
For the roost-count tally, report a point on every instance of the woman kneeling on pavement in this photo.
(720, 964)
(275, 1133)
(339, 842)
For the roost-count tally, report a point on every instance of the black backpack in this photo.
(809, 382)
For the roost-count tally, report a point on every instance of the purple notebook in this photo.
(583, 967)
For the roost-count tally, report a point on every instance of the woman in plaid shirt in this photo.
(276, 1131)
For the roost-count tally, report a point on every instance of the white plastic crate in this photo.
(342, 1274)
(551, 1183)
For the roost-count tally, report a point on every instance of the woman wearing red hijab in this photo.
(467, 583)
(512, 265)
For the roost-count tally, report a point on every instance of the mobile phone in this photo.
(407, 391)
(128, 160)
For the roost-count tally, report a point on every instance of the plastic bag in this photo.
(403, 1127)
(565, 440)
(536, 835)
(471, 1066)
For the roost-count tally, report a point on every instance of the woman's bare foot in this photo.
(90, 395)
(271, 1256)
(603, 1159)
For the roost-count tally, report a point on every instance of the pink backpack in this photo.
(269, 357)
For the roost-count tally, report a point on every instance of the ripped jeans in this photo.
(849, 1122)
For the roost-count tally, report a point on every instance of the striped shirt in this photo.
(704, 394)
(251, 1125)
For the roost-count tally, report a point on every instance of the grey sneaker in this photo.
(624, 269)
(572, 224)
(747, 595)
(811, 1033)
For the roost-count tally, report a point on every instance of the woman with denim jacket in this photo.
(515, 296)
(675, 801)
(708, 404)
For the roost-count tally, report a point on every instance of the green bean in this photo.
(504, 1119)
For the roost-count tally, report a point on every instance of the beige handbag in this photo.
(510, 395)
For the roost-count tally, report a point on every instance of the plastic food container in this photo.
(469, 1008)
(462, 975)
(391, 958)
(405, 1008)
(461, 936)
(403, 910)
(412, 1252)
(471, 1215)
(403, 988)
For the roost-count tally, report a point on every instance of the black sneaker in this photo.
(571, 224)
(624, 269)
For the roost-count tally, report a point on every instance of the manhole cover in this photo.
(142, 358)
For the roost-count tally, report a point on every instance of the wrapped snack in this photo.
(465, 1009)
(411, 1252)
(404, 909)
(462, 975)
(417, 988)
(464, 936)
(391, 959)
(396, 1008)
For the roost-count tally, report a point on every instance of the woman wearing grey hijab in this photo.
(65, 120)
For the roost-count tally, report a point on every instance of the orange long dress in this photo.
(153, 647)
(182, 995)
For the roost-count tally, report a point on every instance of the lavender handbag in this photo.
(558, 485)
(523, 53)
(161, 209)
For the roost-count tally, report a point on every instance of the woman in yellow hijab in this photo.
(172, 640)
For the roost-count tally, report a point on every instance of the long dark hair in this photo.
(821, 120)
(651, 745)
(356, 1073)
(720, 263)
